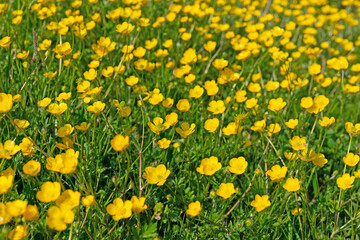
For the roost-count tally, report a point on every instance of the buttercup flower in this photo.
(345, 181)
(216, 107)
(276, 105)
(351, 159)
(211, 124)
(18, 233)
(49, 192)
(183, 105)
(209, 166)
(277, 173)
(194, 209)
(186, 129)
(120, 143)
(326, 122)
(225, 190)
(6, 102)
(238, 165)
(58, 217)
(138, 204)
(260, 202)
(156, 175)
(6, 180)
(32, 168)
(88, 201)
(31, 213)
(298, 143)
(292, 185)
(119, 209)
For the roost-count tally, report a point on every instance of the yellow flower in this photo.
(58, 217)
(56, 109)
(225, 190)
(194, 209)
(27, 147)
(32, 168)
(164, 143)
(21, 124)
(240, 96)
(298, 143)
(357, 173)
(6, 102)
(210, 46)
(125, 28)
(183, 105)
(65, 130)
(209, 166)
(291, 156)
(216, 107)
(64, 163)
(220, 63)
(156, 175)
(211, 87)
(318, 159)
(119, 209)
(211, 124)
(186, 129)
(314, 69)
(120, 143)
(156, 97)
(292, 185)
(296, 211)
(277, 173)
(259, 126)
(238, 165)
(150, 44)
(83, 126)
(254, 87)
(132, 80)
(5, 42)
(22, 55)
(97, 107)
(62, 50)
(260, 202)
(352, 129)
(16, 208)
(351, 159)
(88, 201)
(274, 128)
(18, 233)
(314, 106)
(90, 75)
(8, 149)
(276, 105)
(31, 213)
(171, 119)
(68, 199)
(345, 181)
(138, 204)
(49, 192)
(45, 44)
(196, 92)
(158, 125)
(168, 102)
(250, 103)
(6, 180)
(326, 122)
(4, 216)
(63, 96)
(44, 103)
(17, 98)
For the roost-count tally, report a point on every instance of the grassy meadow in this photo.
(199, 119)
